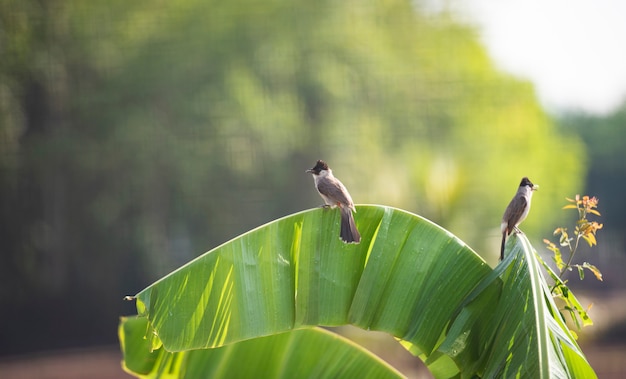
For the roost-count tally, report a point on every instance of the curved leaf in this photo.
(295, 272)
(519, 333)
(407, 277)
(284, 355)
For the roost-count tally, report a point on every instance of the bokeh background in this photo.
(135, 136)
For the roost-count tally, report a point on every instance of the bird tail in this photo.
(502, 246)
(349, 232)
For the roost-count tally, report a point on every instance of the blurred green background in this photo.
(135, 136)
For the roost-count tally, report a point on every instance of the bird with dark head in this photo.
(516, 211)
(335, 194)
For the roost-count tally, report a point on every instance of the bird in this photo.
(516, 211)
(335, 194)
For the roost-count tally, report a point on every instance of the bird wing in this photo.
(514, 212)
(335, 191)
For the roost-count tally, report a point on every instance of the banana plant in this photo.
(261, 298)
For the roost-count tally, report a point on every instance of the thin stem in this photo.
(582, 214)
(571, 257)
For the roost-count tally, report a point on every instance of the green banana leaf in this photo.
(408, 277)
(284, 355)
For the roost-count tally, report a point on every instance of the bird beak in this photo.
(535, 187)
(309, 171)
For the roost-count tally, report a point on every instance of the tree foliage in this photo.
(134, 135)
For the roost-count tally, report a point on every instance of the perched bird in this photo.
(517, 211)
(334, 194)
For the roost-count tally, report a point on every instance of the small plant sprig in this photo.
(585, 230)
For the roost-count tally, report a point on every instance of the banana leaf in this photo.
(408, 277)
(283, 355)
